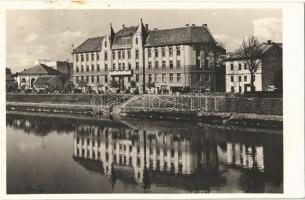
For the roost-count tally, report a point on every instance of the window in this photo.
(105, 44)
(123, 66)
(232, 66)
(171, 79)
(106, 79)
(171, 64)
(163, 64)
(82, 68)
(82, 78)
(232, 78)
(98, 67)
(163, 78)
(77, 69)
(92, 67)
(178, 64)
(149, 65)
(239, 78)
(137, 78)
(239, 89)
(149, 77)
(92, 56)
(239, 66)
(245, 78)
(113, 55)
(106, 67)
(129, 54)
(120, 54)
(149, 52)
(92, 79)
(245, 66)
(178, 50)
(165, 152)
(207, 77)
(129, 66)
(137, 54)
(82, 57)
(119, 65)
(163, 51)
(156, 65)
(113, 66)
(123, 54)
(137, 65)
(87, 56)
(87, 79)
(178, 77)
(198, 77)
(76, 57)
(156, 78)
(156, 52)
(106, 56)
(137, 41)
(170, 51)
(97, 56)
(97, 79)
(87, 68)
(77, 78)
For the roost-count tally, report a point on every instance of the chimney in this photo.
(186, 24)
(269, 41)
(204, 25)
(193, 24)
(146, 27)
(123, 25)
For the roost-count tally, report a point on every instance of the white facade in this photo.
(238, 77)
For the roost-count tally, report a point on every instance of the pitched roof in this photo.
(123, 38)
(266, 46)
(91, 44)
(183, 35)
(40, 69)
(41, 81)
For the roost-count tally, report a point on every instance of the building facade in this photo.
(158, 61)
(268, 76)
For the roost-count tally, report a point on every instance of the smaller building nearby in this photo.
(48, 83)
(268, 77)
(39, 74)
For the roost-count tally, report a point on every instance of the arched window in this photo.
(32, 82)
(23, 80)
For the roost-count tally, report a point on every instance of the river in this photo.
(70, 154)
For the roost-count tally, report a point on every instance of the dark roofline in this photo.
(86, 51)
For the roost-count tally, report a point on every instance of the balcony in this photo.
(120, 72)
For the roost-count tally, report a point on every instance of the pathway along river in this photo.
(50, 154)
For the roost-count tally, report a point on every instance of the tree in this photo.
(114, 84)
(69, 86)
(251, 51)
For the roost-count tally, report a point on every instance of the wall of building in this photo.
(241, 77)
(272, 67)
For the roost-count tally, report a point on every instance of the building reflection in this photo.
(171, 159)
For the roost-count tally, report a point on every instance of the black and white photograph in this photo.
(155, 101)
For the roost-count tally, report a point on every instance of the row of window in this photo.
(170, 50)
(239, 66)
(93, 78)
(120, 54)
(121, 66)
(171, 78)
(240, 78)
(171, 64)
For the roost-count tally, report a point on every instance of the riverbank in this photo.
(251, 112)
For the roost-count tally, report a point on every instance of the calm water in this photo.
(47, 154)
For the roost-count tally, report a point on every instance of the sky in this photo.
(49, 34)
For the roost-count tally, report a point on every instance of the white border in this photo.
(293, 44)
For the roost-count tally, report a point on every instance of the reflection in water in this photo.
(194, 159)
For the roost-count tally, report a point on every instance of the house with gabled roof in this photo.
(172, 59)
(268, 77)
(26, 79)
